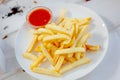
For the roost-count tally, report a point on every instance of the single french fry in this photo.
(44, 31)
(29, 56)
(68, 23)
(41, 31)
(84, 19)
(58, 29)
(47, 55)
(83, 22)
(89, 18)
(53, 38)
(63, 22)
(61, 16)
(55, 59)
(46, 71)
(70, 50)
(33, 42)
(59, 63)
(74, 31)
(82, 55)
(73, 65)
(82, 32)
(37, 62)
(73, 34)
(77, 30)
(93, 47)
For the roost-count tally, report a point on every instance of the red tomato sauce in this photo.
(39, 17)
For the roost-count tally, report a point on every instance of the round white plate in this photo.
(97, 29)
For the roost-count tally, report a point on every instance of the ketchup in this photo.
(39, 17)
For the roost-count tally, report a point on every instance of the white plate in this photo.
(99, 36)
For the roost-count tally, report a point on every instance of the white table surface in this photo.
(109, 68)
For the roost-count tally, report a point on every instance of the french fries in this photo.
(59, 63)
(63, 44)
(45, 52)
(83, 31)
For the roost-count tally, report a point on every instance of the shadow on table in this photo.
(11, 62)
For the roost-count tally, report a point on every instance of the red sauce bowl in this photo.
(39, 16)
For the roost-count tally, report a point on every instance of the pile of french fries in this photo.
(62, 43)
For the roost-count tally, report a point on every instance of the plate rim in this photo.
(100, 60)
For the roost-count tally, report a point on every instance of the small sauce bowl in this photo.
(39, 16)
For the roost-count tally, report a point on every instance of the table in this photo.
(109, 68)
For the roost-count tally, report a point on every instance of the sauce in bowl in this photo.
(39, 17)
